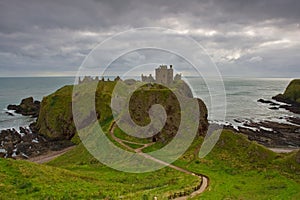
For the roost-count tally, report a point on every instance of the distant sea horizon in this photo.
(242, 94)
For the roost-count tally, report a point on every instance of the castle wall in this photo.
(169, 76)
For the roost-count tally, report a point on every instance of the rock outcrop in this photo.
(291, 96)
(27, 107)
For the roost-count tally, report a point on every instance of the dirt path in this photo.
(49, 156)
(204, 179)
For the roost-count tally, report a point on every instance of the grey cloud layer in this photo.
(244, 38)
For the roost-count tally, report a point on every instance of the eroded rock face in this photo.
(27, 107)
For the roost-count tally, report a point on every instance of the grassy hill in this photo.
(237, 168)
(242, 169)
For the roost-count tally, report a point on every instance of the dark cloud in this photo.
(243, 37)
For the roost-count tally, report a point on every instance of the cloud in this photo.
(255, 59)
(53, 37)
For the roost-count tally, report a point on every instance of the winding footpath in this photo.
(204, 180)
(49, 156)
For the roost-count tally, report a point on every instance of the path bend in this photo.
(204, 180)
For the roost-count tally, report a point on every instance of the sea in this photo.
(241, 97)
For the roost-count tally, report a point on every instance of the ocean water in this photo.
(13, 90)
(241, 97)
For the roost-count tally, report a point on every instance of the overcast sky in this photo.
(244, 38)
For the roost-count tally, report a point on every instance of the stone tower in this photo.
(163, 75)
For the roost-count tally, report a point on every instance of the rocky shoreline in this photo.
(271, 134)
(291, 106)
(275, 134)
(24, 144)
(27, 142)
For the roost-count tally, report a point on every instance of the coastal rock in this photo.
(10, 135)
(295, 108)
(10, 114)
(273, 108)
(294, 120)
(291, 96)
(16, 145)
(27, 107)
(33, 127)
(24, 130)
(272, 134)
(265, 101)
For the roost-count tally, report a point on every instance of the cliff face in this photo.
(142, 100)
(56, 121)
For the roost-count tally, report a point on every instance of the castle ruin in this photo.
(163, 75)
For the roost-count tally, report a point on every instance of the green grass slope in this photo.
(77, 175)
(241, 169)
(236, 167)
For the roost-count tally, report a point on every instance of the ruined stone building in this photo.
(163, 75)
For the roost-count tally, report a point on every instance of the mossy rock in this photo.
(292, 92)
